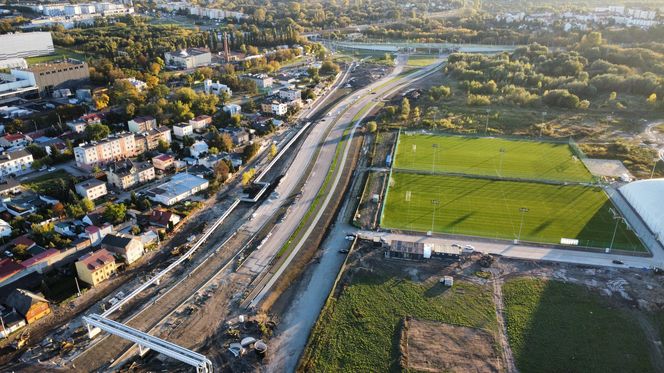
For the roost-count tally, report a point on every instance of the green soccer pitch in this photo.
(520, 159)
(496, 209)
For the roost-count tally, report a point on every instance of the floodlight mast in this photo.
(523, 211)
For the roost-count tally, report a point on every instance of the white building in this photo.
(16, 162)
(647, 199)
(27, 44)
(198, 148)
(180, 187)
(14, 63)
(216, 88)
(91, 189)
(181, 130)
(5, 229)
(142, 124)
(290, 94)
(119, 146)
(200, 122)
(138, 84)
(262, 80)
(232, 109)
(189, 58)
(275, 107)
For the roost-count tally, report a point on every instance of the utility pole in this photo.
(523, 211)
(486, 126)
(78, 288)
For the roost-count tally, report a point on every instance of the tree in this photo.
(163, 146)
(372, 126)
(115, 213)
(221, 171)
(273, 151)
(225, 142)
(59, 209)
(405, 109)
(329, 68)
(247, 176)
(101, 101)
(74, 211)
(250, 151)
(97, 131)
(652, 99)
(87, 205)
(416, 114)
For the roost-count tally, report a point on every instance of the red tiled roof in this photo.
(14, 136)
(97, 259)
(92, 229)
(9, 268)
(39, 258)
(23, 240)
(164, 157)
(160, 217)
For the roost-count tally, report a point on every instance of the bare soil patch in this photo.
(432, 346)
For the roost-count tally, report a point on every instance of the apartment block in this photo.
(115, 147)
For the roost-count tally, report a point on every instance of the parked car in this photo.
(350, 237)
(616, 261)
(51, 169)
(344, 251)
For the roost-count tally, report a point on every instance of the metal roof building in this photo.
(647, 199)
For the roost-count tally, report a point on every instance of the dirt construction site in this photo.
(429, 345)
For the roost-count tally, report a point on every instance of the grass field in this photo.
(420, 61)
(490, 156)
(359, 332)
(57, 55)
(491, 208)
(557, 327)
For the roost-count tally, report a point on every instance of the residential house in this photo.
(15, 163)
(149, 140)
(11, 322)
(65, 228)
(274, 107)
(142, 124)
(200, 122)
(28, 304)
(9, 186)
(50, 143)
(11, 140)
(198, 148)
(95, 234)
(163, 218)
(5, 229)
(129, 248)
(24, 204)
(112, 148)
(96, 267)
(239, 135)
(42, 261)
(125, 174)
(138, 84)
(8, 269)
(216, 88)
(91, 189)
(181, 130)
(290, 94)
(232, 109)
(180, 187)
(262, 81)
(77, 126)
(163, 162)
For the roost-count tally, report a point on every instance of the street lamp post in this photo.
(435, 203)
(486, 125)
(617, 218)
(523, 211)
